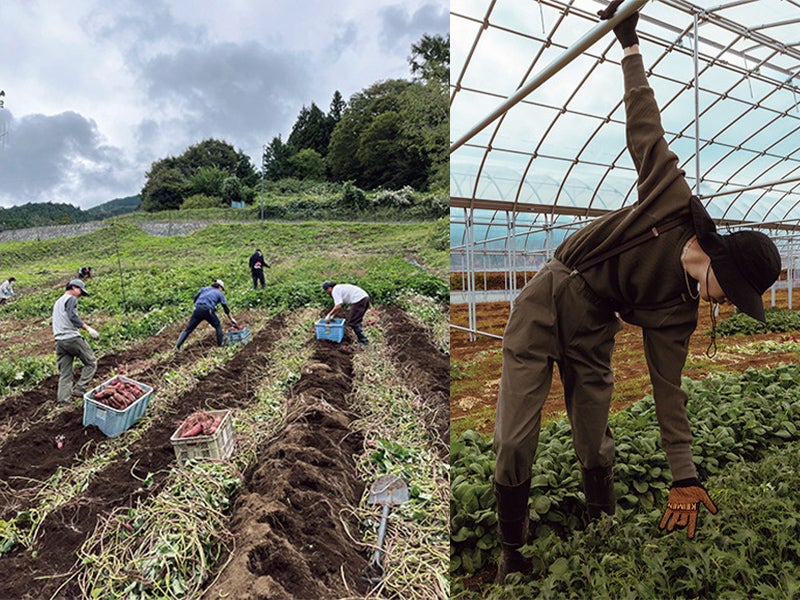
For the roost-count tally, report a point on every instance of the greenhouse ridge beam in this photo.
(597, 32)
(574, 211)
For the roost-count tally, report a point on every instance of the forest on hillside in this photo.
(381, 155)
(389, 136)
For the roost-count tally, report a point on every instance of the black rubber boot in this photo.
(598, 485)
(512, 525)
(181, 338)
(362, 339)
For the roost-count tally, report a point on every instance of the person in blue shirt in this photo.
(205, 309)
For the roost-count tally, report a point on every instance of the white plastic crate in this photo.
(218, 445)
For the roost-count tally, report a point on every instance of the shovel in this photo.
(388, 490)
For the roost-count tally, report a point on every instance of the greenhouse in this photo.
(539, 152)
(537, 124)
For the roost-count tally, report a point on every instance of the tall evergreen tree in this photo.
(275, 161)
(337, 107)
(311, 130)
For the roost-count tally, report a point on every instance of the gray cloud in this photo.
(159, 76)
(220, 87)
(399, 29)
(62, 155)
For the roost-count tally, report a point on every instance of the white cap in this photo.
(219, 284)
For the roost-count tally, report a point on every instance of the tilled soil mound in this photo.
(425, 369)
(289, 520)
(294, 533)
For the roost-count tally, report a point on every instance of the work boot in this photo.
(181, 338)
(598, 486)
(512, 525)
(362, 339)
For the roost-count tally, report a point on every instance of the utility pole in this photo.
(263, 177)
(3, 128)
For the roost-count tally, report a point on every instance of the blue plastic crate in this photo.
(240, 336)
(110, 421)
(333, 331)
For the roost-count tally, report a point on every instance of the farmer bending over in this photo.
(643, 262)
(7, 290)
(205, 309)
(358, 299)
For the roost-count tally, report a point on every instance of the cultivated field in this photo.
(744, 408)
(315, 422)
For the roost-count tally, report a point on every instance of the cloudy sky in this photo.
(96, 91)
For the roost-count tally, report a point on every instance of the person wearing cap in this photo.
(205, 309)
(357, 298)
(70, 345)
(647, 264)
(7, 290)
(257, 264)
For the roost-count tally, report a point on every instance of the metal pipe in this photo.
(625, 9)
(696, 107)
(474, 331)
(757, 186)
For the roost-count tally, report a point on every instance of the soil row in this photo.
(120, 483)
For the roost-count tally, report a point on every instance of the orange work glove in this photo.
(683, 503)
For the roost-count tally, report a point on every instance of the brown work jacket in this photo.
(646, 284)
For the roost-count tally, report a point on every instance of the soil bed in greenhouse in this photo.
(477, 364)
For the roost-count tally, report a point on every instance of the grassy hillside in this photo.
(325, 419)
(137, 272)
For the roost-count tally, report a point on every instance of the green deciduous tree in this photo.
(208, 181)
(370, 144)
(233, 190)
(308, 164)
(165, 187)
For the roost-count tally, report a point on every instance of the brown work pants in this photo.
(558, 319)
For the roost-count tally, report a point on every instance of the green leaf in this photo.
(559, 567)
(542, 504)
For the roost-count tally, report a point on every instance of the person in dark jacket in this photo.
(257, 265)
(649, 265)
(205, 305)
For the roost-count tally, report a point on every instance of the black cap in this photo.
(746, 263)
(326, 285)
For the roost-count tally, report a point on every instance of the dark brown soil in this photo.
(476, 392)
(293, 535)
(424, 367)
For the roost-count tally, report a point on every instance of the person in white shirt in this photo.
(7, 290)
(70, 345)
(357, 298)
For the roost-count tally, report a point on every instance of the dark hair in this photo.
(12, 278)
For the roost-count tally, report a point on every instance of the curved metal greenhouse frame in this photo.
(537, 123)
